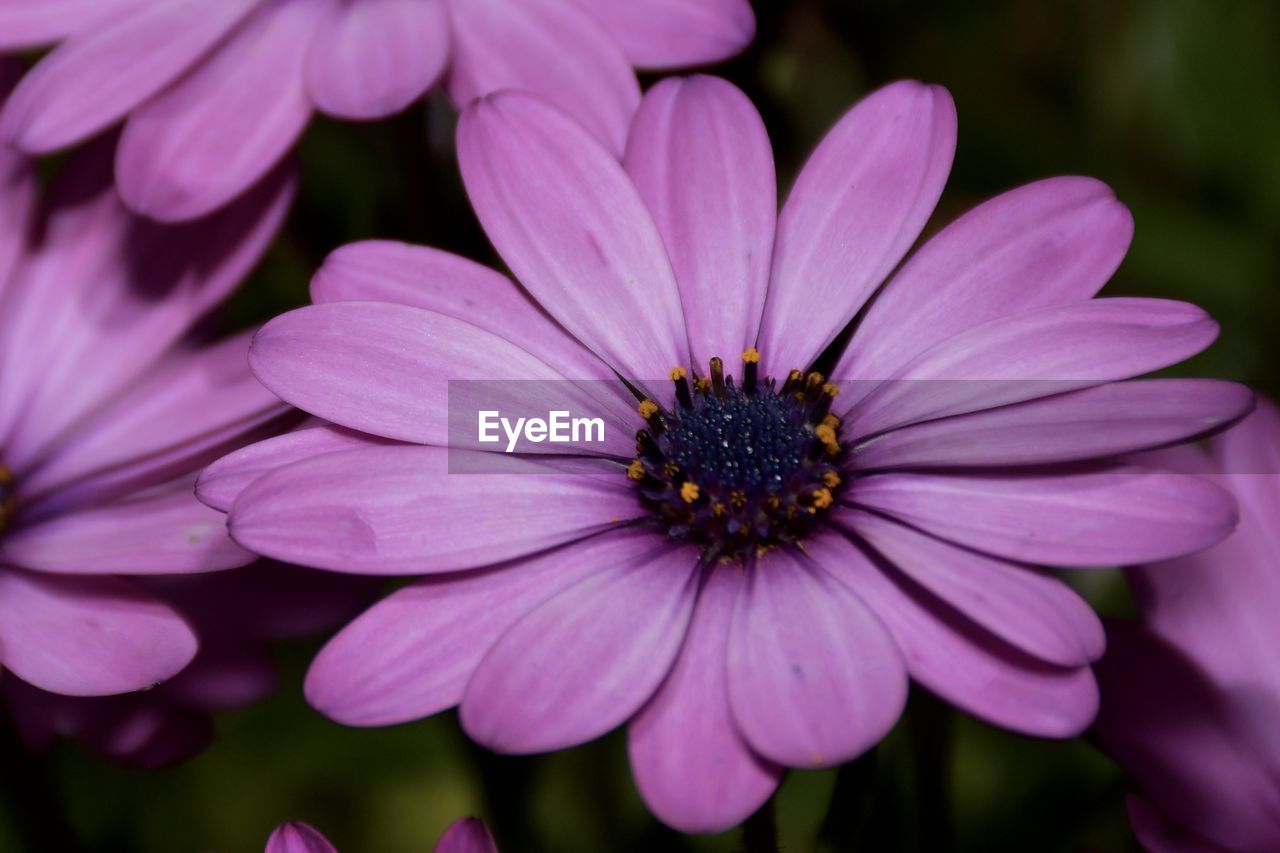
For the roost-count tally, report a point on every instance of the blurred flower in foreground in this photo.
(753, 579)
(215, 93)
(1191, 696)
(468, 835)
(107, 410)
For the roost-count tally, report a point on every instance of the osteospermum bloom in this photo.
(757, 557)
(214, 93)
(468, 835)
(107, 410)
(1190, 694)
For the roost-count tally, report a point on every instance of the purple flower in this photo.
(753, 580)
(107, 410)
(468, 835)
(1190, 695)
(215, 93)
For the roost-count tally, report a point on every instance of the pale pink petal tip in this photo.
(298, 837)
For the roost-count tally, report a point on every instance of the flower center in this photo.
(738, 469)
(7, 502)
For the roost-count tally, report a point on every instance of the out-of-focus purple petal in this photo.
(1158, 833)
(856, 208)
(692, 767)
(1106, 515)
(17, 182)
(397, 511)
(1053, 242)
(298, 837)
(586, 660)
(551, 48)
(468, 835)
(568, 221)
(372, 58)
(95, 77)
(221, 128)
(700, 157)
(88, 636)
(674, 33)
(24, 24)
(814, 678)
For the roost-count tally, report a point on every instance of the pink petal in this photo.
(165, 533)
(223, 481)
(397, 511)
(1049, 243)
(414, 375)
(570, 224)
(1034, 612)
(700, 157)
(857, 206)
(550, 48)
(17, 181)
(372, 58)
(411, 654)
(95, 77)
(298, 837)
(674, 33)
(468, 835)
(24, 24)
(1086, 517)
(1159, 833)
(1106, 420)
(692, 767)
(88, 636)
(1037, 354)
(215, 133)
(386, 271)
(964, 665)
(583, 662)
(814, 678)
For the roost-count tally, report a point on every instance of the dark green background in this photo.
(1175, 103)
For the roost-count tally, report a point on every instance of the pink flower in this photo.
(107, 409)
(214, 93)
(752, 583)
(1190, 695)
(468, 835)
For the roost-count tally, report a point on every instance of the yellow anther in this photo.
(831, 389)
(751, 356)
(825, 433)
(815, 378)
(718, 508)
(636, 470)
(831, 479)
(831, 421)
(822, 498)
(648, 409)
(678, 373)
(703, 383)
(689, 491)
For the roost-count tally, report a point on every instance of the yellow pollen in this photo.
(648, 409)
(670, 469)
(831, 479)
(678, 373)
(822, 498)
(636, 470)
(816, 378)
(831, 389)
(773, 501)
(831, 421)
(718, 508)
(751, 356)
(703, 383)
(689, 492)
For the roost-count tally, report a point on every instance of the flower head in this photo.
(226, 87)
(762, 551)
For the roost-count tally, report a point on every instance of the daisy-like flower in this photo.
(107, 410)
(214, 93)
(468, 835)
(757, 558)
(1190, 695)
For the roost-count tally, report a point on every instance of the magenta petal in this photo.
(24, 24)
(568, 221)
(674, 33)
(964, 665)
(372, 58)
(386, 271)
(700, 157)
(166, 533)
(223, 481)
(693, 769)
(398, 511)
(1049, 243)
(857, 206)
(1106, 420)
(1037, 354)
(814, 678)
(1032, 611)
(88, 636)
(550, 48)
(468, 835)
(17, 182)
(218, 130)
(1088, 517)
(583, 662)
(298, 837)
(1159, 833)
(100, 73)
(410, 655)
